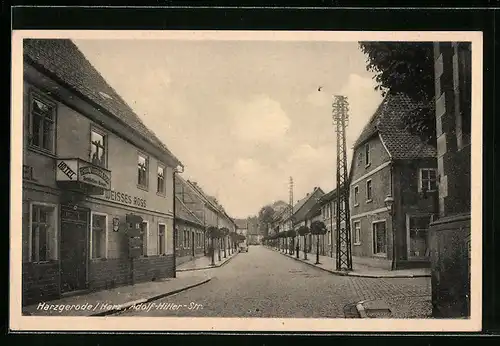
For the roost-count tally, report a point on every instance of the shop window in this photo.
(428, 180)
(357, 233)
(160, 177)
(98, 148)
(98, 235)
(43, 233)
(144, 238)
(418, 227)
(161, 239)
(379, 238)
(143, 169)
(42, 119)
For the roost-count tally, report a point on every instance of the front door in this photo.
(74, 226)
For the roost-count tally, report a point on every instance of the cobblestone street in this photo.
(264, 283)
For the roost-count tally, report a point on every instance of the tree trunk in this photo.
(317, 249)
(213, 250)
(305, 246)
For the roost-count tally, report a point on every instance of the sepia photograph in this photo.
(246, 180)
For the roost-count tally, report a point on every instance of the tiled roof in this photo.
(184, 213)
(62, 58)
(387, 121)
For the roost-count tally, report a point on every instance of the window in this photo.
(368, 190)
(43, 233)
(98, 235)
(356, 194)
(144, 238)
(161, 239)
(360, 159)
(428, 179)
(367, 155)
(464, 93)
(42, 123)
(142, 166)
(379, 238)
(97, 148)
(177, 234)
(418, 227)
(357, 233)
(161, 180)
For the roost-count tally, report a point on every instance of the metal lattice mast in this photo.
(341, 119)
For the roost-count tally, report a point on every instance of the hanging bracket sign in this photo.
(78, 170)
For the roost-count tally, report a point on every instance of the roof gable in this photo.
(183, 212)
(388, 123)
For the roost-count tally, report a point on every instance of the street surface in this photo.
(264, 283)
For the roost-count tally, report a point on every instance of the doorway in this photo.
(74, 226)
(417, 233)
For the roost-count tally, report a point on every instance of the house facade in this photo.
(301, 215)
(450, 233)
(393, 190)
(212, 214)
(190, 222)
(97, 184)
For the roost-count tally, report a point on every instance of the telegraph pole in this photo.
(340, 119)
(290, 201)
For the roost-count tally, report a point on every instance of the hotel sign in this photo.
(81, 171)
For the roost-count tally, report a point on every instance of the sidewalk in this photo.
(204, 262)
(328, 264)
(108, 302)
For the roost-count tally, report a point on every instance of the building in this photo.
(210, 211)
(190, 215)
(450, 234)
(298, 217)
(97, 184)
(241, 226)
(393, 190)
(328, 208)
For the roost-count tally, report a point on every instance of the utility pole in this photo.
(291, 206)
(340, 119)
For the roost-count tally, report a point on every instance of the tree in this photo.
(212, 233)
(265, 217)
(291, 234)
(303, 231)
(318, 228)
(408, 68)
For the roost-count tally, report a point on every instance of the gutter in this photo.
(174, 172)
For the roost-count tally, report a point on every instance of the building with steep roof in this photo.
(393, 189)
(97, 183)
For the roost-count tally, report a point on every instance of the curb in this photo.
(209, 267)
(407, 276)
(147, 300)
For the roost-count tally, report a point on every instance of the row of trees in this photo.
(219, 234)
(281, 239)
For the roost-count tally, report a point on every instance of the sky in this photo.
(243, 116)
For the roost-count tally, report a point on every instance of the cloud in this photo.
(319, 98)
(260, 120)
